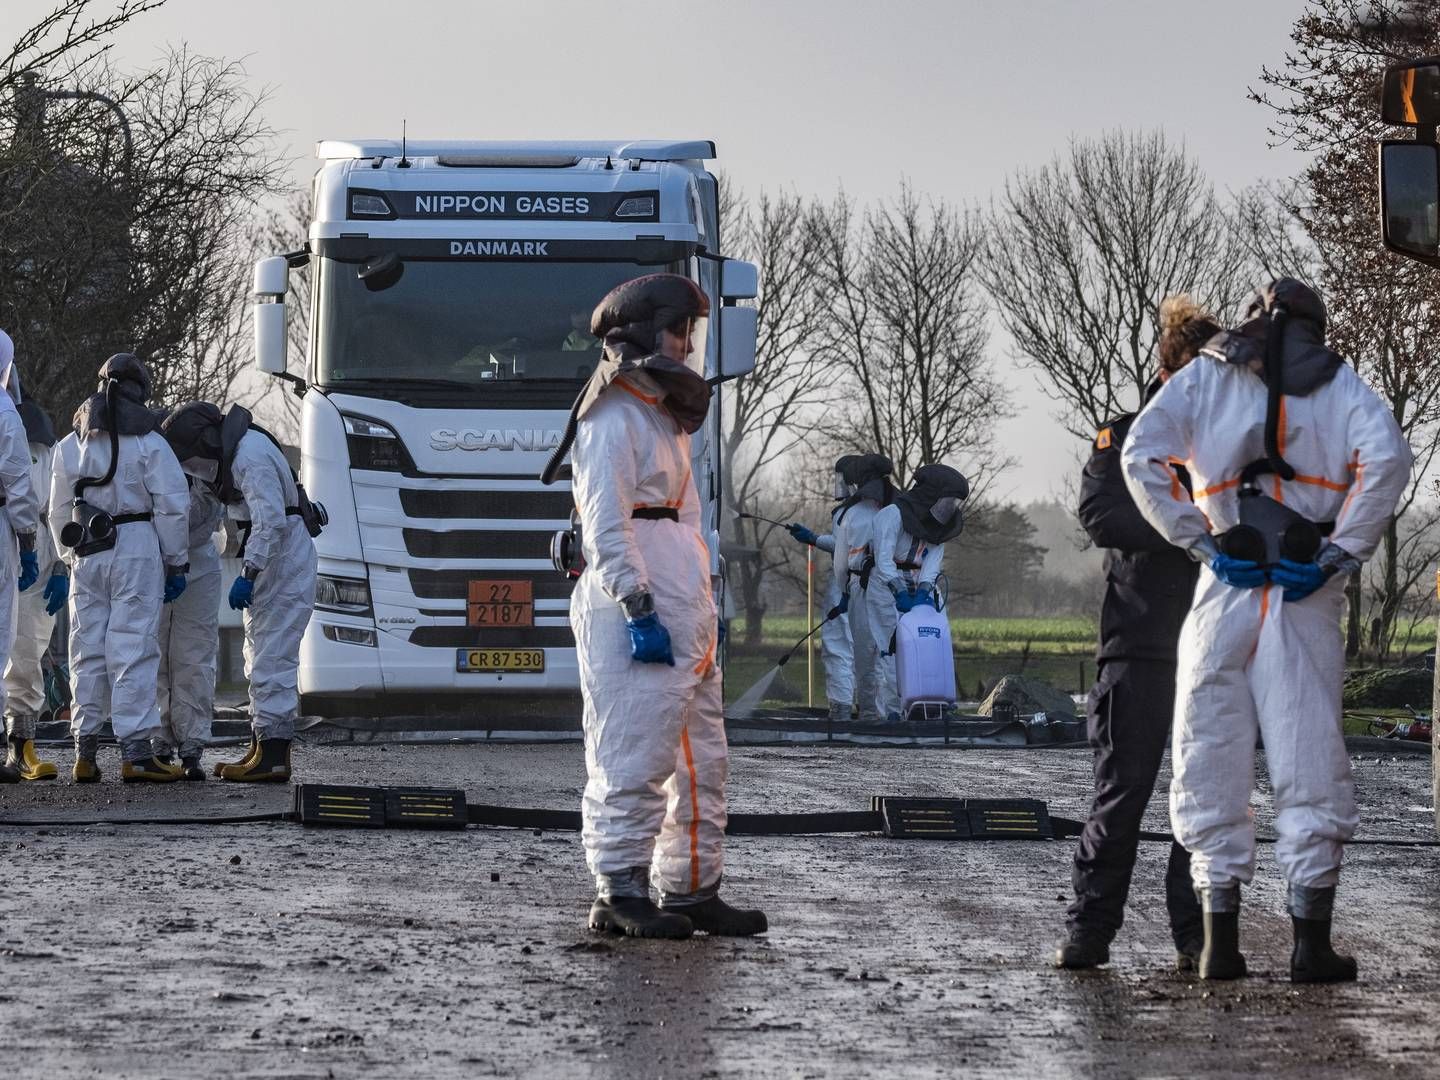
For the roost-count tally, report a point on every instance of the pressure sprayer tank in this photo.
(924, 659)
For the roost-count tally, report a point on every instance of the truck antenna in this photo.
(404, 162)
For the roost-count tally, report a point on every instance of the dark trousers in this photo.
(1130, 710)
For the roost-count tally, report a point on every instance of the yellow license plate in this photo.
(500, 661)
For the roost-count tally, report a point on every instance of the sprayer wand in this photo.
(834, 613)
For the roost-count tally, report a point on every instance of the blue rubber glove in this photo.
(925, 595)
(904, 600)
(839, 609)
(801, 533)
(29, 569)
(1298, 579)
(720, 634)
(57, 591)
(174, 586)
(1237, 573)
(241, 593)
(649, 640)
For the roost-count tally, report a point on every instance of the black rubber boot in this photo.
(8, 773)
(1313, 960)
(637, 916)
(1221, 958)
(1081, 950)
(719, 919)
(190, 768)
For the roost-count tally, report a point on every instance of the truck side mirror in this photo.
(1410, 94)
(272, 278)
(738, 335)
(1410, 199)
(739, 280)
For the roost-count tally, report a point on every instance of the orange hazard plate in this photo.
(501, 603)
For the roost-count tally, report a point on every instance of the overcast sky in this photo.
(807, 94)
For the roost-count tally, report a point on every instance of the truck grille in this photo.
(486, 504)
(455, 584)
(469, 637)
(479, 544)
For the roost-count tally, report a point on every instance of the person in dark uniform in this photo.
(1148, 589)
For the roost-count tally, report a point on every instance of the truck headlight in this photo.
(374, 445)
(349, 596)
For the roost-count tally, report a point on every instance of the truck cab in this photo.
(453, 287)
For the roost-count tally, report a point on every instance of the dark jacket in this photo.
(1148, 582)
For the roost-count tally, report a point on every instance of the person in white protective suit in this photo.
(276, 586)
(837, 651)
(853, 563)
(118, 509)
(645, 622)
(190, 643)
(36, 608)
(907, 545)
(1296, 467)
(19, 563)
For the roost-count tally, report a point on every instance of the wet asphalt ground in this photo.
(275, 951)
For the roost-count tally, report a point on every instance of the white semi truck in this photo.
(453, 283)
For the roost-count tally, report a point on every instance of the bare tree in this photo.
(766, 411)
(54, 57)
(1384, 310)
(137, 249)
(1080, 253)
(906, 323)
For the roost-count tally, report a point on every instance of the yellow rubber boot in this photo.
(85, 771)
(149, 770)
(269, 765)
(23, 759)
(243, 763)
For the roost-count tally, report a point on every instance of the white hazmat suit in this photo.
(280, 547)
(654, 735)
(22, 511)
(24, 690)
(190, 637)
(115, 595)
(837, 651)
(852, 548)
(901, 562)
(1248, 659)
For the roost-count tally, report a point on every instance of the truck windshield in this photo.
(468, 326)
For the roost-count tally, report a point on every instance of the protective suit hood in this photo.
(933, 483)
(871, 474)
(193, 430)
(133, 387)
(629, 321)
(1306, 364)
(232, 429)
(38, 426)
